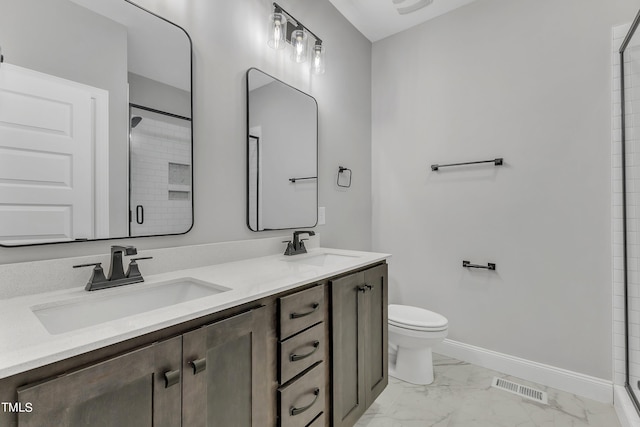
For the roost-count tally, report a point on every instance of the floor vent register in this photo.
(520, 390)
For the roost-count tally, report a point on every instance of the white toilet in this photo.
(413, 332)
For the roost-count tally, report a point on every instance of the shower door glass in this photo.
(630, 135)
(160, 184)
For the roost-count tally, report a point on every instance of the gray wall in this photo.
(527, 80)
(228, 39)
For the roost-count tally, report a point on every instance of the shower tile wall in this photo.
(632, 119)
(619, 33)
(161, 177)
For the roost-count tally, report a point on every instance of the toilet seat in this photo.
(416, 319)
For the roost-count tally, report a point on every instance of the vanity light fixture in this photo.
(299, 42)
(277, 30)
(317, 58)
(285, 28)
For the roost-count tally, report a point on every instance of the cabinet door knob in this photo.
(199, 365)
(295, 411)
(171, 378)
(362, 289)
(315, 306)
(295, 357)
(369, 286)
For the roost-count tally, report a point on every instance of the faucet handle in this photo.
(93, 264)
(290, 249)
(97, 276)
(133, 270)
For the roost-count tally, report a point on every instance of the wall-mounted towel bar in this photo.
(301, 179)
(489, 266)
(497, 162)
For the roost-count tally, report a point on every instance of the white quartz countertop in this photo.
(26, 344)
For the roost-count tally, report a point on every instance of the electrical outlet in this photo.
(321, 216)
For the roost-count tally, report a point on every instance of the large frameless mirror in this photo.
(282, 155)
(95, 122)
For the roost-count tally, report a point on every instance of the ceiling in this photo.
(377, 19)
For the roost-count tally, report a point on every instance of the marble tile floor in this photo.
(462, 396)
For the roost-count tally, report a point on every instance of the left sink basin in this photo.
(58, 318)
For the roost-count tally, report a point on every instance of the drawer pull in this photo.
(295, 357)
(199, 365)
(171, 378)
(315, 306)
(296, 411)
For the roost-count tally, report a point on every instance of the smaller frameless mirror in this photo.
(282, 155)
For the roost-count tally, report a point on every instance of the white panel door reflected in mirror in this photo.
(282, 155)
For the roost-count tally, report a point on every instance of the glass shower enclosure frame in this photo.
(630, 151)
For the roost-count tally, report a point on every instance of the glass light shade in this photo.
(299, 43)
(277, 31)
(317, 59)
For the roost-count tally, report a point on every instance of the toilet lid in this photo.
(416, 318)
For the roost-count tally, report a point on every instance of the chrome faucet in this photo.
(117, 276)
(297, 247)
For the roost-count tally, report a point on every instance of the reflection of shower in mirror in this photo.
(135, 120)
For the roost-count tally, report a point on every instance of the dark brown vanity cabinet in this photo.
(311, 356)
(225, 373)
(215, 375)
(360, 358)
(136, 389)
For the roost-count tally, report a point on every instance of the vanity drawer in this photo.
(301, 351)
(302, 400)
(301, 310)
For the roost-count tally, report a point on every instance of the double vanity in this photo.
(215, 335)
(269, 341)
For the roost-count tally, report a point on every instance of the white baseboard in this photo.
(561, 379)
(625, 410)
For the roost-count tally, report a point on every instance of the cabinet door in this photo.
(348, 305)
(126, 391)
(376, 332)
(225, 373)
